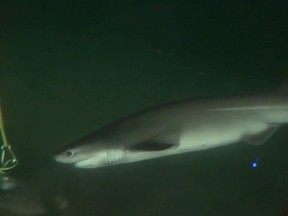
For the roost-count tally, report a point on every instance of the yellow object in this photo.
(8, 159)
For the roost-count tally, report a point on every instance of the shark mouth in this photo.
(104, 158)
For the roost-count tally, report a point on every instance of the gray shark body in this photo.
(179, 127)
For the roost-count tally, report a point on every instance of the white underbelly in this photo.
(205, 136)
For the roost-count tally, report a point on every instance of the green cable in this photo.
(4, 139)
(8, 159)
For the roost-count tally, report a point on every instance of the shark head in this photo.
(72, 155)
(89, 156)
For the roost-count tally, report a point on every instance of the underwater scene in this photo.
(143, 108)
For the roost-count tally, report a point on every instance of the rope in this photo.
(8, 159)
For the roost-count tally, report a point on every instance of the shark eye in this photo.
(69, 153)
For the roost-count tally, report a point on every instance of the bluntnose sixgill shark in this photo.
(179, 127)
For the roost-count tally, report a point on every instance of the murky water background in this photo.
(68, 68)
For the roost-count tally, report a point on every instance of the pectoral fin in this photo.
(261, 137)
(160, 142)
(150, 146)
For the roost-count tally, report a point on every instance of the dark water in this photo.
(70, 67)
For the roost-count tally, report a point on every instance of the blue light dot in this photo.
(254, 164)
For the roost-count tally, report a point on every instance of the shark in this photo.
(179, 127)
